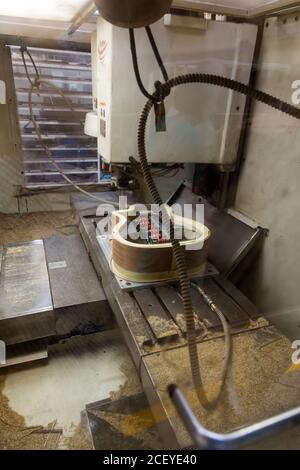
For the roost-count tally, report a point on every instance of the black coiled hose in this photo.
(177, 249)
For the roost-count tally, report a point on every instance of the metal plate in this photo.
(232, 240)
(171, 299)
(24, 282)
(160, 322)
(26, 353)
(72, 276)
(26, 311)
(107, 418)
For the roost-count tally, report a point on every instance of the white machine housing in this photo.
(203, 121)
(91, 118)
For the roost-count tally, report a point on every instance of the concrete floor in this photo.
(55, 392)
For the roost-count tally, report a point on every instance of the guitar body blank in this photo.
(149, 261)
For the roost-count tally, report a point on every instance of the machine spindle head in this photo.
(133, 13)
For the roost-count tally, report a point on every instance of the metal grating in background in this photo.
(63, 131)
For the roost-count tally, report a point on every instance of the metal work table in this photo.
(26, 304)
(153, 327)
(48, 290)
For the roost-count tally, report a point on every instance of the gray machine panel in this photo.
(24, 282)
(233, 243)
(72, 277)
(26, 311)
(48, 289)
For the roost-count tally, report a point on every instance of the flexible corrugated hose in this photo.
(177, 249)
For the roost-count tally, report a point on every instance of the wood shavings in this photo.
(33, 226)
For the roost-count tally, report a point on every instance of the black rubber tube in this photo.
(136, 66)
(156, 53)
(159, 95)
(178, 252)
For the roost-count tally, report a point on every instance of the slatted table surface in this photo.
(162, 307)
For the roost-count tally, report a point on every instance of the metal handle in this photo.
(205, 439)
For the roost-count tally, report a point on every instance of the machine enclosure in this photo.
(203, 121)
